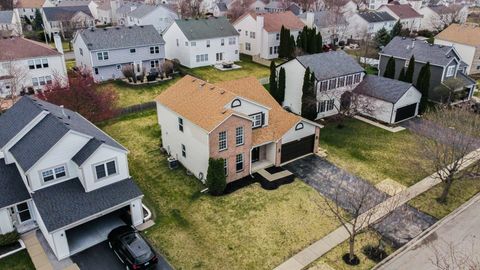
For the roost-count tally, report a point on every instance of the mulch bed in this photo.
(8, 248)
(257, 178)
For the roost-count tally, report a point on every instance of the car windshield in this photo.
(139, 249)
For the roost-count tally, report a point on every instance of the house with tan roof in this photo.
(260, 32)
(237, 121)
(404, 13)
(466, 40)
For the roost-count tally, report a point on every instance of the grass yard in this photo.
(18, 261)
(135, 94)
(370, 152)
(249, 68)
(248, 229)
(65, 44)
(70, 64)
(334, 257)
(460, 192)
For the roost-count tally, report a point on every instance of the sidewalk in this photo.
(322, 246)
(36, 252)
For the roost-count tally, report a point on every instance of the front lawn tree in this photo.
(423, 85)
(458, 130)
(273, 86)
(216, 179)
(309, 99)
(281, 86)
(37, 21)
(396, 30)
(410, 70)
(390, 69)
(382, 37)
(401, 76)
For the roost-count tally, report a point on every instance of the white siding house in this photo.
(201, 42)
(161, 16)
(404, 13)
(10, 23)
(368, 23)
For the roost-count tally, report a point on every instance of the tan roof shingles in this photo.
(464, 34)
(404, 11)
(22, 48)
(273, 21)
(30, 3)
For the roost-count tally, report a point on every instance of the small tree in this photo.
(382, 37)
(216, 180)
(281, 86)
(283, 47)
(390, 69)
(273, 86)
(319, 38)
(401, 77)
(410, 70)
(396, 30)
(37, 21)
(309, 110)
(423, 85)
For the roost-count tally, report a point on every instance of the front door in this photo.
(21, 213)
(255, 154)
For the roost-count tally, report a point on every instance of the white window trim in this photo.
(241, 136)
(220, 141)
(254, 118)
(104, 163)
(55, 179)
(242, 161)
(450, 71)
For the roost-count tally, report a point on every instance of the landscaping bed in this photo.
(251, 228)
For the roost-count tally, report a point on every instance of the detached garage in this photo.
(386, 100)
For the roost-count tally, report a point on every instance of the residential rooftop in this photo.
(22, 48)
(382, 88)
(65, 13)
(463, 34)
(273, 22)
(215, 27)
(325, 18)
(376, 16)
(404, 11)
(30, 3)
(11, 185)
(6, 16)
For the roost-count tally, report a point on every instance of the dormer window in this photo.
(54, 173)
(257, 120)
(105, 169)
(450, 71)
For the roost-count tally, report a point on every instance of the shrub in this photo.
(374, 253)
(216, 180)
(9, 239)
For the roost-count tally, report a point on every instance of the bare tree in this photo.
(238, 8)
(15, 75)
(448, 15)
(190, 8)
(448, 256)
(447, 136)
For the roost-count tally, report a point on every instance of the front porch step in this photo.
(145, 225)
(272, 177)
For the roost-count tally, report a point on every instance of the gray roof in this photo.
(424, 52)
(143, 10)
(72, 3)
(120, 37)
(325, 18)
(30, 148)
(295, 8)
(12, 188)
(330, 64)
(467, 81)
(87, 150)
(376, 16)
(127, 7)
(195, 29)
(6, 16)
(64, 13)
(273, 4)
(222, 6)
(65, 203)
(382, 88)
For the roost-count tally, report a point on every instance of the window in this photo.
(248, 47)
(299, 126)
(252, 35)
(326, 105)
(208, 43)
(81, 51)
(38, 63)
(105, 169)
(186, 43)
(35, 81)
(102, 55)
(231, 41)
(31, 64)
(257, 120)
(154, 63)
(239, 136)
(222, 140)
(324, 86)
(321, 106)
(225, 166)
(332, 84)
(44, 63)
(133, 50)
(277, 37)
(330, 104)
(341, 82)
(271, 50)
(236, 51)
(154, 49)
(357, 78)
(236, 103)
(178, 43)
(246, 33)
(349, 80)
(219, 56)
(96, 71)
(180, 124)
(450, 71)
(184, 151)
(239, 162)
(275, 49)
(54, 173)
(222, 42)
(202, 58)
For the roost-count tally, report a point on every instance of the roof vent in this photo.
(202, 84)
(224, 111)
(141, 26)
(130, 27)
(104, 29)
(222, 92)
(212, 87)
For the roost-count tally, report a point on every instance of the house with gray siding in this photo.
(446, 67)
(105, 52)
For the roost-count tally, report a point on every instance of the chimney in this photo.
(63, 112)
(413, 43)
(58, 43)
(310, 17)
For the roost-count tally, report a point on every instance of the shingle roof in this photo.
(404, 11)
(64, 13)
(143, 10)
(382, 88)
(463, 34)
(222, 6)
(424, 52)
(330, 64)
(73, 3)
(30, 3)
(12, 188)
(325, 18)
(65, 203)
(442, 9)
(376, 16)
(127, 7)
(120, 37)
(22, 48)
(87, 150)
(6, 16)
(273, 22)
(295, 8)
(195, 29)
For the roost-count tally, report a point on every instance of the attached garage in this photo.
(386, 100)
(295, 149)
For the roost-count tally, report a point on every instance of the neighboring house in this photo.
(375, 4)
(27, 8)
(202, 42)
(237, 121)
(104, 12)
(64, 176)
(260, 33)
(10, 23)
(295, 9)
(333, 27)
(415, 4)
(107, 51)
(66, 20)
(466, 41)
(367, 23)
(160, 16)
(331, 80)
(446, 67)
(408, 17)
(387, 100)
(220, 9)
(28, 65)
(92, 6)
(275, 6)
(436, 18)
(121, 13)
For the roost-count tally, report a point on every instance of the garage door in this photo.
(405, 112)
(298, 148)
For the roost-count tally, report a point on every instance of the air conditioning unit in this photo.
(172, 163)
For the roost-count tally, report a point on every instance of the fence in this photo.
(137, 108)
(260, 61)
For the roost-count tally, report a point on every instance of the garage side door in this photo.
(298, 148)
(405, 112)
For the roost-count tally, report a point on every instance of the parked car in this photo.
(131, 248)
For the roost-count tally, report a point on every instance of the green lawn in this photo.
(135, 94)
(18, 261)
(249, 68)
(249, 229)
(370, 152)
(70, 64)
(65, 45)
(371, 70)
(334, 257)
(460, 192)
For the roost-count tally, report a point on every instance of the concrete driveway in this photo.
(102, 257)
(399, 227)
